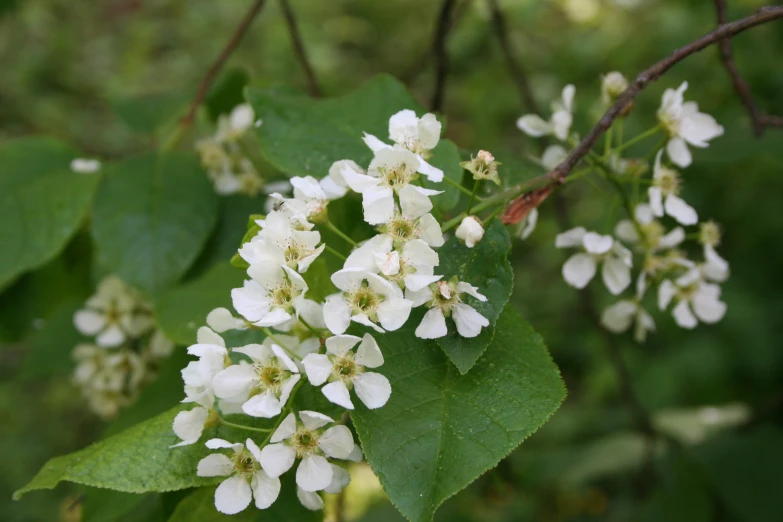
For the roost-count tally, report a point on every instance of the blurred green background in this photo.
(76, 70)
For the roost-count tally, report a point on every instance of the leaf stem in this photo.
(269, 334)
(473, 194)
(458, 186)
(224, 422)
(331, 226)
(334, 252)
(307, 325)
(646, 134)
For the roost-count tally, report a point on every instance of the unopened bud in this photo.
(483, 166)
(612, 85)
(709, 234)
(470, 231)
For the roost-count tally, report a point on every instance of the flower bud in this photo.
(470, 231)
(709, 234)
(483, 166)
(612, 85)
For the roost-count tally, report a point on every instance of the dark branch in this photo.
(517, 71)
(299, 49)
(213, 71)
(441, 57)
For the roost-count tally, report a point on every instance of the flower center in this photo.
(305, 442)
(270, 376)
(345, 368)
(244, 462)
(365, 301)
(396, 177)
(283, 295)
(669, 122)
(668, 181)
(401, 229)
(709, 234)
(653, 232)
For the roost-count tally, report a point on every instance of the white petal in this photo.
(626, 231)
(258, 353)
(429, 231)
(265, 489)
(253, 449)
(378, 204)
(666, 291)
(313, 420)
(680, 210)
(530, 224)
(112, 336)
(672, 239)
(337, 314)
(570, 238)
(287, 387)
(89, 322)
(643, 213)
(416, 282)
(561, 124)
(616, 275)
(392, 313)
(336, 442)
(222, 443)
(656, 201)
(373, 389)
(189, 425)
(678, 152)
(359, 182)
(534, 125)
(579, 269)
(318, 368)
(707, 305)
(364, 257)
(283, 357)
(221, 320)
(432, 173)
(286, 429)
(374, 143)
(433, 325)
(276, 459)
(716, 268)
(337, 393)
(683, 315)
(233, 495)
(205, 335)
(618, 317)
(698, 128)
(264, 405)
(356, 454)
(596, 243)
(429, 131)
(215, 465)
(419, 297)
(553, 156)
(369, 354)
(469, 322)
(363, 319)
(314, 473)
(235, 380)
(340, 479)
(309, 499)
(413, 204)
(467, 288)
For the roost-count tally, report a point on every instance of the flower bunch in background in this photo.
(305, 347)
(126, 351)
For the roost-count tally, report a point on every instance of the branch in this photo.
(758, 119)
(213, 71)
(299, 49)
(441, 58)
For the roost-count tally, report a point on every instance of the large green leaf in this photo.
(152, 217)
(147, 113)
(42, 203)
(183, 310)
(304, 136)
(485, 266)
(440, 430)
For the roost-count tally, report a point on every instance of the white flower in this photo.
(714, 268)
(313, 501)
(281, 242)
(262, 386)
(221, 320)
(85, 166)
(391, 171)
(271, 297)
(685, 125)
(309, 191)
(109, 380)
(367, 299)
(246, 478)
(345, 369)
(445, 300)
(189, 425)
(619, 317)
(412, 266)
(470, 231)
(581, 267)
(310, 443)
(553, 156)
(664, 195)
(559, 125)
(654, 240)
(334, 184)
(612, 85)
(114, 313)
(528, 225)
(413, 220)
(233, 126)
(197, 375)
(692, 295)
(418, 135)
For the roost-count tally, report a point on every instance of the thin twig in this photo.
(299, 49)
(758, 119)
(517, 71)
(441, 57)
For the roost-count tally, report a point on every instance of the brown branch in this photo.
(299, 49)
(441, 57)
(518, 73)
(213, 71)
(758, 119)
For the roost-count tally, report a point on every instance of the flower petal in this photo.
(215, 465)
(392, 313)
(276, 459)
(373, 389)
(337, 393)
(677, 208)
(368, 353)
(469, 322)
(189, 425)
(579, 270)
(683, 315)
(265, 489)
(570, 238)
(89, 322)
(286, 429)
(236, 380)
(264, 405)
(337, 314)
(309, 499)
(596, 243)
(313, 420)
(336, 442)
(533, 125)
(340, 345)
(616, 275)
(318, 368)
(314, 473)
(433, 325)
(678, 152)
(233, 495)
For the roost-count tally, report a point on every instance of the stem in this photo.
(608, 142)
(269, 334)
(457, 186)
(473, 194)
(334, 252)
(439, 50)
(579, 173)
(340, 233)
(224, 422)
(299, 49)
(307, 325)
(643, 136)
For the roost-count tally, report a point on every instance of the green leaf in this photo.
(440, 430)
(200, 505)
(152, 217)
(182, 310)
(485, 266)
(42, 203)
(227, 92)
(446, 157)
(50, 348)
(303, 136)
(147, 113)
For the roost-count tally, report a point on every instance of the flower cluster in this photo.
(126, 351)
(654, 232)
(224, 157)
(306, 342)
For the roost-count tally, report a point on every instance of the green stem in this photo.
(334, 252)
(657, 147)
(307, 325)
(457, 186)
(608, 142)
(473, 194)
(578, 174)
(174, 138)
(340, 233)
(494, 213)
(269, 334)
(646, 134)
(224, 422)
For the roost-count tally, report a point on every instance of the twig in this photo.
(299, 49)
(213, 71)
(758, 119)
(517, 71)
(441, 57)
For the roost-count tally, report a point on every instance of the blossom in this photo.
(306, 440)
(85, 165)
(312, 500)
(413, 220)
(580, 268)
(664, 195)
(685, 125)
(272, 296)
(483, 166)
(470, 231)
(412, 266)
(314, 198)
(222, 320)
(246, 479)
(281, 242)
(114, 313)
(560, 123)
(344, 368)
(619, 317)
(418, 135)
(696, 300)
(367, 299)
(109, 380)
(333, 184)
(553, 156)
(231, 127)
(654, 239)
(612, 85)
(390, 171)
(212, 355)
(445, 300)
(189, 425)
